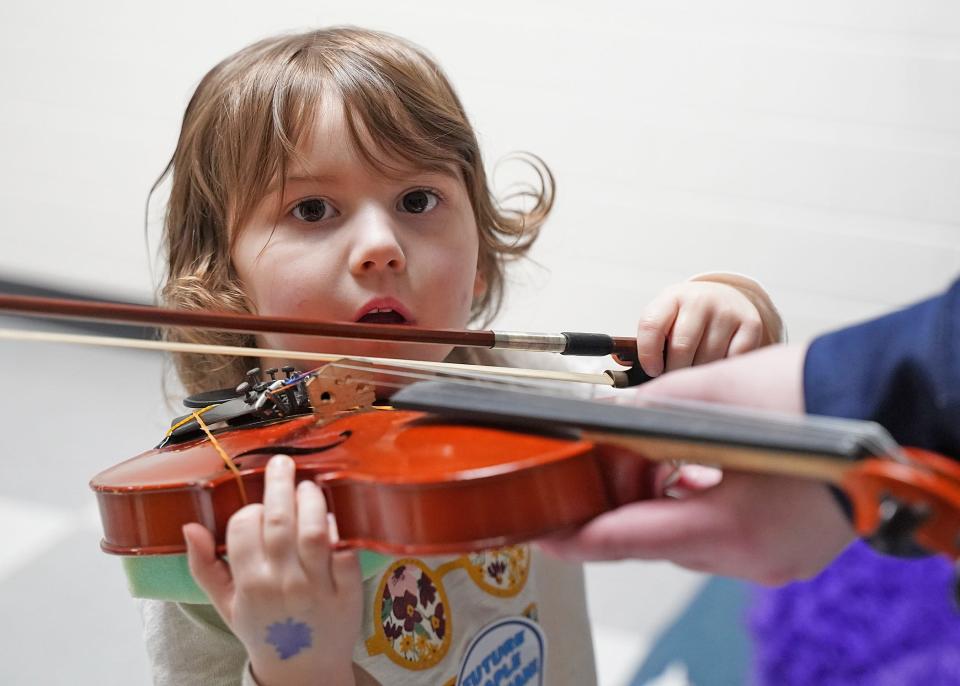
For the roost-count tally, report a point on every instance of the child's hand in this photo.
(696, 322)
(294, 603)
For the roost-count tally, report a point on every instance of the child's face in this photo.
(346, 243)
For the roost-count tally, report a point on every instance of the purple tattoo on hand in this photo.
(289, 637)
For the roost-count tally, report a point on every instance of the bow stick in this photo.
(604, 379)
(564, 343)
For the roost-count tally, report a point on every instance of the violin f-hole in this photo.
(291, 450)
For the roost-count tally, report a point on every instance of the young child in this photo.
(334, 175)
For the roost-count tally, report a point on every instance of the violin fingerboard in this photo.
(840, 439)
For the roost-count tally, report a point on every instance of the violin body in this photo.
(460, 468)
(398, 482)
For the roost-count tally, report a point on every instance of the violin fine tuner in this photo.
(256, 401)
(253, 402)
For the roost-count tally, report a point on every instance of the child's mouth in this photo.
(383, 315)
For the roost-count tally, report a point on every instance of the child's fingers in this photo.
(210, 572)
(685, 337)
(652, 331)
(716, 339)
(346, 572)
(279, 509)
(313, 534)
(748, 337)
(245, 537)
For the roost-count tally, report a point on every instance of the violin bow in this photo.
(444, 368)
(564, 343)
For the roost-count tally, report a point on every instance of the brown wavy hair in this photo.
(243, 126)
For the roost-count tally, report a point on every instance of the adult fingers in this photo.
(279, 510)
(690, 479)
(652, 330)
(210, 572)
(736, 528)
(678, 530)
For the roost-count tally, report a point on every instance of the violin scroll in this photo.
(898, 506)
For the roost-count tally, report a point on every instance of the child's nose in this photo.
(376, 247)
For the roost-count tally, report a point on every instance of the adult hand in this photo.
(768, 529)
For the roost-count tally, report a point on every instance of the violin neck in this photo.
(798, 446)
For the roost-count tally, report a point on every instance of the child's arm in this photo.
(293, 602)
(707, 318)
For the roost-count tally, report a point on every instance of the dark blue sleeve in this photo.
(901, 370)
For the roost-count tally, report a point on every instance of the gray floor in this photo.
(71, 411)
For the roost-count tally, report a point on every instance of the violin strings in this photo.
(223, 456)
(453, 375)
(870, 436)
(880, 442)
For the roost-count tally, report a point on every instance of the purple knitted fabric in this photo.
(866, 619)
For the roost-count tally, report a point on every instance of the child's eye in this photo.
(418, 201)
(312, 210)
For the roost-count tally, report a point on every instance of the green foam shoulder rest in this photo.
(167, 577)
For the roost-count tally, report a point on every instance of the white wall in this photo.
(814, 145)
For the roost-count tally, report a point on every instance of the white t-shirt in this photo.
(421, 616)
(189, 645)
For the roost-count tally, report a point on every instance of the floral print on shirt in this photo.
(501, 571)
(414, 625)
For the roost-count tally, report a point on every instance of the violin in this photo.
(388, 475)
(512, 465)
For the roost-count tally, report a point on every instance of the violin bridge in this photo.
(333, 390)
